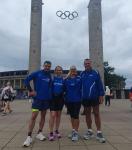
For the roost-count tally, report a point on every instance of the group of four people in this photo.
(74, 90)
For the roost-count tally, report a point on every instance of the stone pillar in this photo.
(95, 36)
(35, 36)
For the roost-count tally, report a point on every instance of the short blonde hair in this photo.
(69, 73)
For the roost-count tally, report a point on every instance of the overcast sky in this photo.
(66, 42)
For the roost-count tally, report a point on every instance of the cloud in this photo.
(117, 33)
(13, 52)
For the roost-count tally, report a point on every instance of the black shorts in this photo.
(57, 103)
(90, 102)
(73, 109)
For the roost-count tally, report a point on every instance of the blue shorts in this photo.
(40, 105)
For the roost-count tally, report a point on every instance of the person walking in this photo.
(57, 103)
(41, 93)
(6, 95)
(92, 97)
(107, 96)
(73, 100)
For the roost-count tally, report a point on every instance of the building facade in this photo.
(16, 78)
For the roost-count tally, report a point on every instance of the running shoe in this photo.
(88, 135)
(40, 136)
(51, 137)
(57, 134)
(75, 136)
(100, 137)
(27, 142)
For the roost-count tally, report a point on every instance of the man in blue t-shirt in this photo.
(92, 96)
(41, 94)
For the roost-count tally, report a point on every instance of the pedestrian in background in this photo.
(6, 98)
(107, 96)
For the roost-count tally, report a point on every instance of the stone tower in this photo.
(95, 36)
(35, 35)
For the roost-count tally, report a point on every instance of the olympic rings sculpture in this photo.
(67, 14)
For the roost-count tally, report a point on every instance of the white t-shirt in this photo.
(4, 95)
(107, 91)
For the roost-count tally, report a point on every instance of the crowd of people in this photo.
(73, 90)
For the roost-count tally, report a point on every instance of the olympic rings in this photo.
(67, 14)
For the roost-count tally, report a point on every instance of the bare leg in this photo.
(88, 117)
(42, 120)
(58, 118)
(6, 107)
(32, 121)
(72, 123)
(52, 120)
(97, 117)
(76, 124)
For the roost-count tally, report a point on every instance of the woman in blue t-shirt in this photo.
(73, 99)
(57, 103)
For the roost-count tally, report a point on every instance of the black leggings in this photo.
(107, 100)
(74, 109)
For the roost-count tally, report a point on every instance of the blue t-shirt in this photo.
(42, 84)
(73, 89)
(58, 86)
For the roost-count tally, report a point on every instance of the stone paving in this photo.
(116, 125)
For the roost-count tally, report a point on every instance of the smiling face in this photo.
(73, 71)
(58, 70)
(88, 64)
(47, 66)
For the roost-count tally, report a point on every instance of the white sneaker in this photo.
(28, 141)
(40, 136)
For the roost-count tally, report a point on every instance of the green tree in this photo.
(111, 79)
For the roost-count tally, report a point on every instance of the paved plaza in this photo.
(116, 124)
